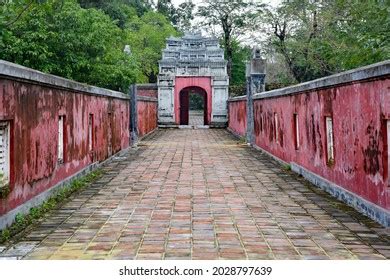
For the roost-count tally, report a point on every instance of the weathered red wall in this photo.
(147, 116)
(34, 110)
(183, 82)
(359, 111)
(148, 91)
(147, 107)
(237, 116)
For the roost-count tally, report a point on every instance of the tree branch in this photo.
(8, 24)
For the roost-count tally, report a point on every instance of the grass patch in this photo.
(4, 186)
(287, 167)
(22, 221)
(241, 140)
(4, 191)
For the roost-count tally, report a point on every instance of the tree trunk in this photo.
(229, 57)
(228, 46)
(152, 77)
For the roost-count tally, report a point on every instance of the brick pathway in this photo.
(200, 194)
(196, 118)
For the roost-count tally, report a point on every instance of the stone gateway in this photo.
(192, 64)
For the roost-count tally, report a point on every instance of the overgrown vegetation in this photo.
(196, 102)
(4, 186)
(85, 40)
(36, 213)
(85, 44)
(286, 167)
(301, 39)
(234, 19)
(319, 38)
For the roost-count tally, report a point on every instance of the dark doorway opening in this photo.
(193, 106)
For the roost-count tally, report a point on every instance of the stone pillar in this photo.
(255, 83)
(133, 115)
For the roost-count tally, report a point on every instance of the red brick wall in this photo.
(147, 116)
(147, 90)
(33, 110)
(237, 116)
(359, 111)
(147, 108)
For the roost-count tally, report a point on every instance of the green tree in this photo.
(116, 9)
(319, 38)
(234, 17)
(184, 16)
(240, 55)
(147, 36)
(166, 8)
(61, 38)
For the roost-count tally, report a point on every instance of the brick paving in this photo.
(196, 118)
(201, 194)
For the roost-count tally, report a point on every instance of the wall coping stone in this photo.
(147, 86)
(363, 73)
(19, 72)
(147, 98)
(237, 98)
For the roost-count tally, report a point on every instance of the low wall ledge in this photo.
(147, 86)
(15, 71)
(372, 71)
(147, 98)
(237, 98)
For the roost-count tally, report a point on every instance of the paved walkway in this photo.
(200, 194)
(196, 118)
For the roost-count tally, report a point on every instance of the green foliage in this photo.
(286, 167)
(146, 36)
(240, 55)
(85, 43)
(360, 35)
(4, 186)
(166, 8)
(36, 213)
(181, 16)
(184, 15)
(80, 44)
(118, 10)
(233, 17)
(237, 90)
(319, 38)
(196, 102)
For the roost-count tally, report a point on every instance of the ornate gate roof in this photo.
(191, 61)
(193, 55)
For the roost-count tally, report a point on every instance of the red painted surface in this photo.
(148, 92)
(184, 106)
(359, 113)
(34, 111)
(147, 117)
(203, 83)
(237, 117)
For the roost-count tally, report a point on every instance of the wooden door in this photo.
(184, 107)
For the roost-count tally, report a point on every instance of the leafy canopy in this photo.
(319, 38)
(85, 44)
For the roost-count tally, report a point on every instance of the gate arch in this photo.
(193, 61)
(202, 84)
(184, 96)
